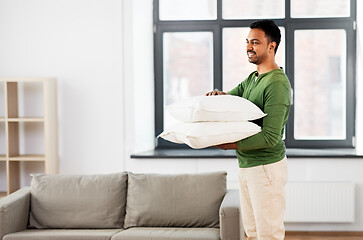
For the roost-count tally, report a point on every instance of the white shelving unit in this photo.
(28, 130)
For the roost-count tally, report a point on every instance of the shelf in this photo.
(26, 119)
(28, 130)
(25, 79)
(34, 158)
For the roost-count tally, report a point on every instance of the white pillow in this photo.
(226, 108)
(206, 134)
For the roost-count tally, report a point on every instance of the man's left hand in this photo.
(226, 146)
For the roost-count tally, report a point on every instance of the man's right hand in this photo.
(216, 92)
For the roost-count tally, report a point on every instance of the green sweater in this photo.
(270, 92)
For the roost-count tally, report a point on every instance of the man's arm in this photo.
(277, 103)
(239, 89)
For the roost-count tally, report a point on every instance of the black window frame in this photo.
(290, 24)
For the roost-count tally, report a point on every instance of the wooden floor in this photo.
(324, 236)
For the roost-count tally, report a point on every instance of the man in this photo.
(262, 160)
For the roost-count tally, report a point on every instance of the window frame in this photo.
(290, 24)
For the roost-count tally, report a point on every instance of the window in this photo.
(200, 45)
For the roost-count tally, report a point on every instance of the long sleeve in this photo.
(276, 106)
(238, 90)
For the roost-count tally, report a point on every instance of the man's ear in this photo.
(272, 47)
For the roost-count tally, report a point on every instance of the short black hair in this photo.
(271, 30)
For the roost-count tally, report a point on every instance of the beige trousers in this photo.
(262, 197)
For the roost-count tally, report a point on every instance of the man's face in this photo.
(257, 46)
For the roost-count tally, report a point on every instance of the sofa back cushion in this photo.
(188, 200)
(78, 201)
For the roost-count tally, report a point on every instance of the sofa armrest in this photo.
(14, 211)
(230, 218)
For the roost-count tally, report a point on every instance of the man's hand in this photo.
(216, 92)
(226, 146)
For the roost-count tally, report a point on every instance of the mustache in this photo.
(250, 51)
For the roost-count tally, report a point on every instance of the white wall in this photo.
(80, 42)
(101, 51)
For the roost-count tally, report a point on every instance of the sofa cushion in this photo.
(186, 200)
(63, 234)
(78, 201)
(168, 233)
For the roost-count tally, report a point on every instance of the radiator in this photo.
(320, 202)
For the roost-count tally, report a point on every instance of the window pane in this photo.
(188, 66)
(320, 84)
(320, 8)
(187, 9)
(262, 9)
(236, 66)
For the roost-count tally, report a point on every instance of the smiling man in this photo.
(262, 160)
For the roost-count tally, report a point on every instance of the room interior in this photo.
(101, 54)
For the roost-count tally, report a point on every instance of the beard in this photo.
(252, 58)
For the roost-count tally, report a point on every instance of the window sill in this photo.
(218, 153)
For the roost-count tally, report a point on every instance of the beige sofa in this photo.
(122, 206)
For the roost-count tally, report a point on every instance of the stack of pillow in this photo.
(212, 120)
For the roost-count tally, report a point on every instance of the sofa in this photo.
(122, 206)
